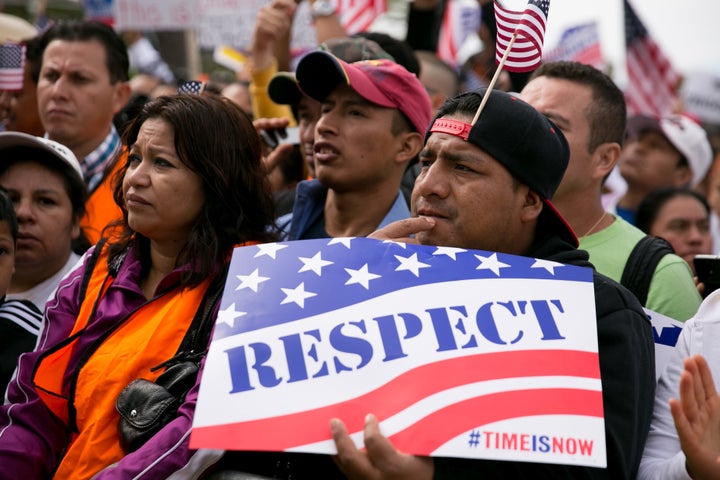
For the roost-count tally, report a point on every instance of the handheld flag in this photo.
(652, 81)
(525, 52)
(193, 87)
(12, 63)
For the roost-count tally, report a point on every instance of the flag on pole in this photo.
(652, 81)
(461, 21)
(12, 63)
(529, 26)
(580, 43)
(357, 15)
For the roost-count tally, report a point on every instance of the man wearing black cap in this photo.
(488, 186)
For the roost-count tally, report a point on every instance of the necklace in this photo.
(602, 217)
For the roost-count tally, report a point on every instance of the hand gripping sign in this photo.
(459, 353)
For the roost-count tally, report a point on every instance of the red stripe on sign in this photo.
(454, 420)
(312, 426)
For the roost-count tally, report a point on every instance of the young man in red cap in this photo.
(373, 117)
(488, 186)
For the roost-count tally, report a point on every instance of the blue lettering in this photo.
(488, 327)
(444, 330)
(546, 320)
(355, 345)
(391, 337)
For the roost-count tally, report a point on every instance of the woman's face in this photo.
(684, 222)
(45, 215)
(163, 197)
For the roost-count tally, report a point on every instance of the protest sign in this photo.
(155, 14)
(457, 352)
(666, 332)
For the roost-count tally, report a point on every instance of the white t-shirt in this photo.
(41, 293)
(662, 458)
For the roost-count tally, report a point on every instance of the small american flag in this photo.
(357, 15)
(193, 87)
(12, 62)
(529, 26)
(652, 81)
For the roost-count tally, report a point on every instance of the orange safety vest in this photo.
(146, 338)
(100, 208)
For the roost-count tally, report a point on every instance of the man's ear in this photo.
(605, 157)
(532, 207)
(410, 144)
(682, 176)
(121, 96)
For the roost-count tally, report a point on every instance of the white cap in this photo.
(692, 141)
(683, 133)
(15, 29)
(19, 139)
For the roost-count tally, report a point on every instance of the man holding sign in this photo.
(487, 186)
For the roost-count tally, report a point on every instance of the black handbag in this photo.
(145, 407)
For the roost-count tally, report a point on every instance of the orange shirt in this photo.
(101, 208)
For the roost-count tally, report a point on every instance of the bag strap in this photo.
(194, 343)
(641, 265)
(89, 267)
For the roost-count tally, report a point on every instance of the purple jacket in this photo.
(32, 439)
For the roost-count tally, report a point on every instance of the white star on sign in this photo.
(229, 315)
(491, 263)
(269, 249)
(402, 245)
(547, 265)
(342, 240)
(449, 251)
(250, 281)
(316, 263)
(297, 295)
(361, 276)
(411, 264)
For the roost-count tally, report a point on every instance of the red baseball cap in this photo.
(382, 82)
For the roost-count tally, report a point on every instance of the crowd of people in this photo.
(123, 195)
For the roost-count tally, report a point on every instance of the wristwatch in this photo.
(322, 8)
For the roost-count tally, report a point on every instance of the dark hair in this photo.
(607, 112)
(116, 60)
(215, 139)
(7, 213)
(400, 50)
(33, 57)
(651, 205)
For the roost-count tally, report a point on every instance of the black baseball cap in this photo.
(524, 141)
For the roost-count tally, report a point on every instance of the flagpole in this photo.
(494, 79)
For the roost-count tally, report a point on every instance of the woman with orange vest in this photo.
(192, 188)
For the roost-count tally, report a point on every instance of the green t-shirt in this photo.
(672, 290)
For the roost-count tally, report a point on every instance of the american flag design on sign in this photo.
(457, 352)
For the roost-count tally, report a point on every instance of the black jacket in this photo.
(627, 370)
